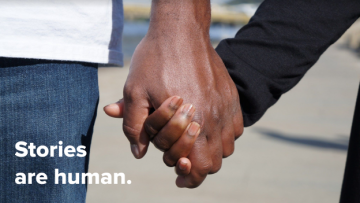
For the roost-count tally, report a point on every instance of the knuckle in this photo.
(179, 125)
(215, 168)
(228, 144)
(128, 90)
(150, 130)
(238, 132)
(130, 132)
(215, 114)
(228, 152)
(168, 160)
(186, 144)
(238, 126)
(131, 92)
(205, 169)
(194, 183)
(161, 143)
(227, 87)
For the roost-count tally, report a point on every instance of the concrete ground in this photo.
(296, 153)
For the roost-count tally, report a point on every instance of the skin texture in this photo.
(165, 117)
(177, 58)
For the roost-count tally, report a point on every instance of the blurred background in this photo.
(227, 18)
(295, 153)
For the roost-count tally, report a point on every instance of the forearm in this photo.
(185, 18)
(282, 41)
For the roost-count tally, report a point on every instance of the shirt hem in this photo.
(62, 52)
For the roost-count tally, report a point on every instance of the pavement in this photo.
(295, 153)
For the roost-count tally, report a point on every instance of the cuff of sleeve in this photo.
(256, 91)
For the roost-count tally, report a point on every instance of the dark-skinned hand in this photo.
(177, 58)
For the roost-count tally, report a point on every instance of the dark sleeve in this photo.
(281, 42)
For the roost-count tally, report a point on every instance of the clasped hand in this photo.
(165, 72)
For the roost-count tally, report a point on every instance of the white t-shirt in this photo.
(71, 30)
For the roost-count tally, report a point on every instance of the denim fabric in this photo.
(45, 102)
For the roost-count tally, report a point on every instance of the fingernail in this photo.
(182, 165)
(193, 129)
(135, 150)
(110, 105)
(114, 104)
(175, 103)
(188, 110)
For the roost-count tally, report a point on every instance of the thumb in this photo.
(115, 110)
(135, 113)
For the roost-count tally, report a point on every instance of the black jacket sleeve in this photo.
(284, 38)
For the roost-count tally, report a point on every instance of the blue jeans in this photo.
(44, 102)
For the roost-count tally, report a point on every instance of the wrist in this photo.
(185, 18)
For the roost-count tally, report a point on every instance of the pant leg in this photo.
(44, 102)
(350, 192)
